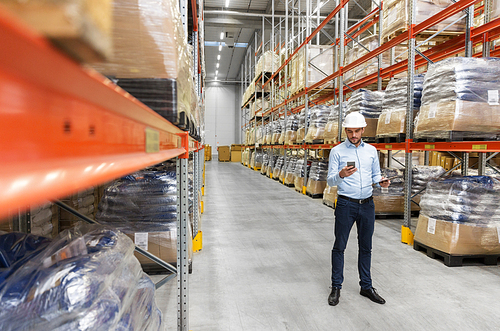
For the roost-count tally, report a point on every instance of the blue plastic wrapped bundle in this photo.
(470, 199)
(277, 167)
(397, 183)
(392, 120)
(316, 182)
(460, 99)
(421, 175)
(319, 118)
(368, 103)
(87, 278)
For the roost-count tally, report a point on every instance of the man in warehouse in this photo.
(354, 167)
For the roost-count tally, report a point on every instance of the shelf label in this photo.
(152, 141)
(388, 146)
(388, 117)
(141, 240)
(430, 146)
(479, 147)
(431, 225)
(432, 111)
(384, 190)
(493, 97)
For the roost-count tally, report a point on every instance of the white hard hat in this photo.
(354, 120)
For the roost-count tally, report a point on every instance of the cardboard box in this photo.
(370, 130)
(235, 148)
(82, 28)
(448, 164)
(235, 156)
(224, 153)
(315, 187)
(161, 244)
(392, 204)
(208, 153)
(457, 239)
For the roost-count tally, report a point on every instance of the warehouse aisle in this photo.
(265, 265)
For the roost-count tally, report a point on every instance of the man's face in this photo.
(354, 135)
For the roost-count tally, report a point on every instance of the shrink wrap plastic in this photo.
(268, 62)
(269, 133)
(368, 103)
(151, 59)
(460, 94)
(299, 174)
(471, 199)
(421, 175)
(332, 126)
(277, 131)
(301, 131)
(391, 200)
(316, 181)
(396, 16)
(265, 162)
(290, 171)
(392, 120)
(320, 66)
(87, 278)
(330, 195)
(319, 117)
(292, 125)
(278, 166)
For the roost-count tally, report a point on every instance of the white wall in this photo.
(222, 115)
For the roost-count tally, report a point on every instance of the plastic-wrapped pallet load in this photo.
(267, 62)
(272, 161)
(41, 220)
(152, 60)
(391, 200)
(461, 216)
(87, 278)
(257, 156)
(319, 117)
(316, 181)
(292, 125)
(290, 172)
(277, 131)
(460, 99)
(369, 104)
(83, 202)
(277, 167)
(319, 67)
(421, 175)
(392, 120)
(299, 174)
(330, 196)
(301, 131)
(269, 133)
(144, 206)
(265, 163)
(396, 16)
(332, 126)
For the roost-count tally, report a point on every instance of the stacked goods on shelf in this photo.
(256, 162)
(292, 125)
(495, 10)
(301, 131)
(398, 158)
(43, 219)
(286, 163)
(391, 200)
(235, 153)
(244, 157)
(330, 195)
(319, 117)
(392, 120)
(421, 175)
(84, 202)
(265, 163)
(369, 104)
(259, 138)
(251, 136)
(319, 67)
(460, 100)
(269, 133)
(461, 216)
(277, 131)
(86, 278)
(249, 92)
(272, 161)
(208, 153)
(281, 139)
(299, 174)
(144, 206)
(82, 28)
(278, 166)
(289, 177)
(152, 60)
(316, 181)
(258, 107)
(224, 153)
(268, 62)
(396, 16)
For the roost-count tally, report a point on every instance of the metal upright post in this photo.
(487, 19)
(196, 181)
(336, 56)
(306, 83)
(379, 58)
(182, 243)
(406, 235)
(341, 67)
(481, 169)
(184, 17)
(318, 3)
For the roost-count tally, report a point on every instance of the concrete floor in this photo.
(265, 265)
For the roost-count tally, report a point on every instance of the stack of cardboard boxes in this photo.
(224, 153)
(236, 153)
(208, 153)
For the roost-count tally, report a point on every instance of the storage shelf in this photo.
(64, 128)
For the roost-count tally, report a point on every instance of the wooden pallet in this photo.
(328, 204)
(316, 142)
(392, 139)
(386, 215)
(156, 269)
(315, 196)
(456, 260)
(315, 92)
(450, 136)
(422, 36)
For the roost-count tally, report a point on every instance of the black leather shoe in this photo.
(333, 298)
(372, 295)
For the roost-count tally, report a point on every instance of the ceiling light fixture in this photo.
(220, 47)
(215, 77)
(227, 3)
(221, 35)
(216, 72)
(217, 65)
(218, 57)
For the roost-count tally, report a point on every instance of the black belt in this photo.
(360, 201)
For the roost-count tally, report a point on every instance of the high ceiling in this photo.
(244, 21)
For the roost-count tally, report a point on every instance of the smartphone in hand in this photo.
(351, 164)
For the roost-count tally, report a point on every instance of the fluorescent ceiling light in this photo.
(217, 65)
(215, 77)
(227, 3)
(221, 35)
(220, 47)
(218, 57)
(216, 72)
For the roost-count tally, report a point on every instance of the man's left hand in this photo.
(384, 182)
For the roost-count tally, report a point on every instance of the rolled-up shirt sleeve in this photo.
(376, 175)
(333, 178)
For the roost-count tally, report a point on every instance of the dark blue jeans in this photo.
(346, 214)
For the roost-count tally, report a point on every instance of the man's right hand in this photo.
(347, 171)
